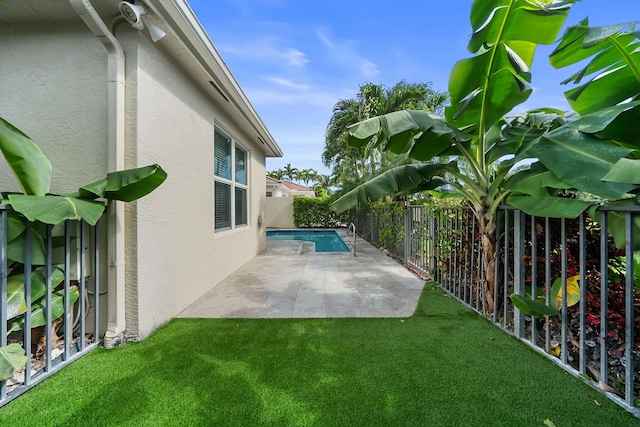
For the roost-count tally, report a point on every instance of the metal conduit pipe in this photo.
(115, 161)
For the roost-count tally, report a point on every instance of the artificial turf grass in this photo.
(445, 366)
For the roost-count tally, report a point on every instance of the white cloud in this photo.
(295, 57)
(286, 83)
(344, 52)
(300, 95)
(266, 49)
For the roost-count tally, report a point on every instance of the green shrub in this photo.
(317, 212)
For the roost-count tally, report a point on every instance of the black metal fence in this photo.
(49, 297)
(384, 226)
(593, 333)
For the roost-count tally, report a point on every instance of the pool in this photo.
(325, 240)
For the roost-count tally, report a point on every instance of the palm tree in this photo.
(276, 174)
(336, 151)
(307, 175)
(290, 172)
(323, 181)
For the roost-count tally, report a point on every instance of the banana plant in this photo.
(38, 309)
(32, 170)
(593, 151)
(480, 145)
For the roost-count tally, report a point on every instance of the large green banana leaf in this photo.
(614, 69)
(517, 136)
(556, 207)
(16, 303)
(127, 185)
(406, 179)
(505, 34)
(537, 181)
(582, 160)
(595, 153)
(419, 134)
(12, 357)
(56, 209)
(26, 160)
(16, 241)
(617, 221)
(624, 171)
(32, 169)
(15, 249)
(38, 310)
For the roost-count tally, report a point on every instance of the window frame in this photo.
(232, 183)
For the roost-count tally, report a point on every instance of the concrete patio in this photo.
(290, 280)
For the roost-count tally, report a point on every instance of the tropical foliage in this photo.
(350, 165)
(302, 176)
(476, 150)
(32, 170)
(276, 174)
(316, 212)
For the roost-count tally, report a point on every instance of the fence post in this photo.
(629, 342)
(432, 241)
(518, 271)
(3, 290)
(407, 230)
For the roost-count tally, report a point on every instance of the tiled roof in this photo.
(290, 185)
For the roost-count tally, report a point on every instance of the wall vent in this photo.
(219, 90)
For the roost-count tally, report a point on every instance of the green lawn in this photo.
(445, 366)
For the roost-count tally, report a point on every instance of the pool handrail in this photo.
(352, 226)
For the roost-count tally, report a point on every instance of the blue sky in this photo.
(295, 59)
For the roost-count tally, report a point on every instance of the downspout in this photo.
(115, 161)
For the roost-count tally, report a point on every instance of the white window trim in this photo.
(231, 182)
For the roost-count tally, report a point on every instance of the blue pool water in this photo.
(325, 240)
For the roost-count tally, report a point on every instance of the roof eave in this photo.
(180, 17)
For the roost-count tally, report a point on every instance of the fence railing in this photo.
(595, 331)
(49, 296)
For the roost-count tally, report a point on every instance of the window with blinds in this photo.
(222, 206)
(230, 164)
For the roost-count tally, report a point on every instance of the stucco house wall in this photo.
(53, 77)
(46, 72)
(175, 255)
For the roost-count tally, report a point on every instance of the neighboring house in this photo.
(280, 195)
(282, 188)
(99, 95)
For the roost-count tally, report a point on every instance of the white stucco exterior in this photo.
(54, 82)
(46, 72)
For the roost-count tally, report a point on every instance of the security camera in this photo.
(132, 13)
